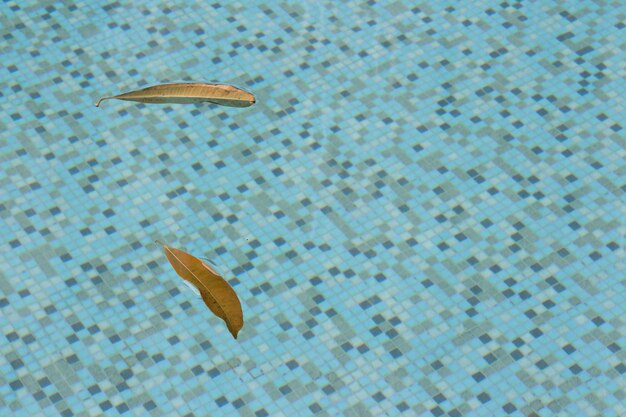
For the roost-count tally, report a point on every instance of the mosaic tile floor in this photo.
(423, 214)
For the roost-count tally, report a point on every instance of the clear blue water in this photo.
(423, 214)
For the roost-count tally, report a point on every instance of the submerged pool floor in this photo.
(423, 213)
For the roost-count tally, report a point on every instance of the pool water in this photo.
(423, 213)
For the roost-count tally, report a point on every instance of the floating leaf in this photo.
(187, 93)
(217, 294)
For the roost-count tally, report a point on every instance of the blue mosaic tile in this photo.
(423, 213)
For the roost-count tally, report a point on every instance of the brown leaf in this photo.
(217, 294)
(187, 93)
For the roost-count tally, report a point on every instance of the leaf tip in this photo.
(235, 328)
(101, 100)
